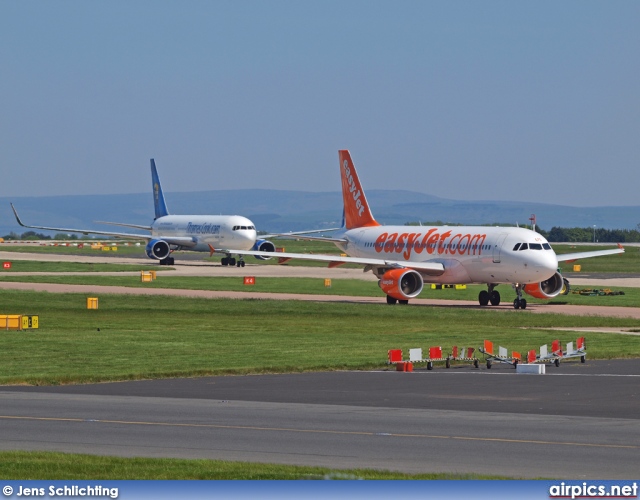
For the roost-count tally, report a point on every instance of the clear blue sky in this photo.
(481, 100)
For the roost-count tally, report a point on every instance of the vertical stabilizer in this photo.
(158, 197)
(356, 208)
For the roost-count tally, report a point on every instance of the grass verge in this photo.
(137, 337)
(316, 286)
(22, 465)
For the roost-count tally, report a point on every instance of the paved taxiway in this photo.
(578, 421)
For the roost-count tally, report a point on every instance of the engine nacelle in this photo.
(401, 284)
(546, 289)
(158, 249)
(263, 246)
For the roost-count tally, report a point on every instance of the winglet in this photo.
(620, 246)
(356, 208)
(211, 250)
(158, 197)
(15, 212)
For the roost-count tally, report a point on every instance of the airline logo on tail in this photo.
(158, 198)
(356, 208)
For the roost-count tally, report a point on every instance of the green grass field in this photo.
(136, 337)
(19, 465)
(316, 286)
(35, 266)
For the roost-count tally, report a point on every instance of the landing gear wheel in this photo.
(557, 362)
(520, 304)
(447, 363)
(391, 300)
(429, 365)
(583, 359)
(232, 261)
(403, 302)
(494, 298)
(238, 264)
(483, 298)
(170, 261)
(224, 261)
(565, 287)
(242, 263)
(515, 363)
(475, 363)
(489, 363)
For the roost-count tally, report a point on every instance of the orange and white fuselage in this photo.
(405, 257)
(468, 254)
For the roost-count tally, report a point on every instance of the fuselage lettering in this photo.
(433, 242)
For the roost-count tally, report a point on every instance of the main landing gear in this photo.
(393, 301)
(519, 302)
(230, 261)
(490, 295)
(167, 262)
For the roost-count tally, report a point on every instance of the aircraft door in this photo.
(497, 248)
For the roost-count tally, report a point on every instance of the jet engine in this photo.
(546, 289)
(263, 246)
(401, 284)
(158, 249)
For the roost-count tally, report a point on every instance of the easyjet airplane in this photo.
(199, 233)
(405, 257)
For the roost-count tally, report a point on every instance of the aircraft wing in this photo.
(570, 257)
(429, 268)
(301, 235)
(83, 231)
(183, 241)
(309, 238)
(122, 224)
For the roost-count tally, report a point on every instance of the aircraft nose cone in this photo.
(547, 262)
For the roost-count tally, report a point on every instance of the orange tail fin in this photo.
(356, 208)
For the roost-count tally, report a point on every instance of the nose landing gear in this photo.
(519, 302)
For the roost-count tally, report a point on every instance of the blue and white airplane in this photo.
(199, 233)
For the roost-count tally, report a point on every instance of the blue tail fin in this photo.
(158, 196)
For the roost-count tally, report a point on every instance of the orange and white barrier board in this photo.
(436, 355)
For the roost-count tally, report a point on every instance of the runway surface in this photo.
(577, 421)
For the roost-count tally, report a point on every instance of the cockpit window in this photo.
(535, 246)
(524, 246)
(516, 247)
(546, 246)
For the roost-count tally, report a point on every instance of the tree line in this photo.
(32, 236)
